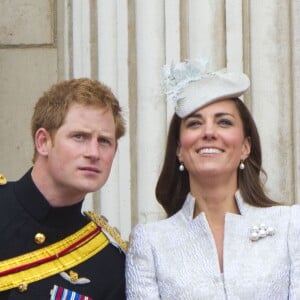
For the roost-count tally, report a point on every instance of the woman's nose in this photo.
(209, 131)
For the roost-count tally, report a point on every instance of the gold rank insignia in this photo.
(74, 278)
(3, 180)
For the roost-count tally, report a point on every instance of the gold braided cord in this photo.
(47, 269)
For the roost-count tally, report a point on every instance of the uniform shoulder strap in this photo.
(112, 233)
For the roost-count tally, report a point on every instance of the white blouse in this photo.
(176, 258)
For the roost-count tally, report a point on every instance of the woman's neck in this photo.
(214, 199)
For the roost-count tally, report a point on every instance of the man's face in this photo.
(82, 150)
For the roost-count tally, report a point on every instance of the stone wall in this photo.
(124, 43)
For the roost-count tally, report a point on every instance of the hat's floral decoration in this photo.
(175, 77)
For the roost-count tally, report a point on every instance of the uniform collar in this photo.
(189, 205)
(38, 207)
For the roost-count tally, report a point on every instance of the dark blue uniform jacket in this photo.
(23, 213)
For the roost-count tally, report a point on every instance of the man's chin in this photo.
(91, 188)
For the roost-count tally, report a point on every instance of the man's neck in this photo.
(56, 197)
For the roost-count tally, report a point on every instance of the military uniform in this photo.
(28, 223)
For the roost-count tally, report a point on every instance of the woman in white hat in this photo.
(224, 238)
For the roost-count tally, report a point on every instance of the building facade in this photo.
(124, 43)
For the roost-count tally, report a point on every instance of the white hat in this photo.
(189, 86)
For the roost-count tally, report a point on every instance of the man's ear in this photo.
(42, 141)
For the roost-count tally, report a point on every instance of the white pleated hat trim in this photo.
(189, 86)
(220, 85)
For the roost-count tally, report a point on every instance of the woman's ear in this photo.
(178, 151)
(246, 148)
(42, 141)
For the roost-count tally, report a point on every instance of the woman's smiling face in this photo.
(212, 140)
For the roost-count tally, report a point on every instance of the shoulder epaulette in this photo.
(112, 234)
(3, 180)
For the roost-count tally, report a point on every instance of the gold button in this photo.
(2, 179)
(23, 287)
(39, 238)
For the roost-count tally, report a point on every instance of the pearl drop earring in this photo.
(181, 167)
(242, 165)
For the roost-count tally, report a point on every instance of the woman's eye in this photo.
(225, 122)
(193, 123)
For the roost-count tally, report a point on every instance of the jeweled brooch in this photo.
(261, 231)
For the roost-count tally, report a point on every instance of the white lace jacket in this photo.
(177, 259)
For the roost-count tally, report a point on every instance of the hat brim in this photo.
(217, 86)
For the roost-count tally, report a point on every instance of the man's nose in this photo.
(93, 149)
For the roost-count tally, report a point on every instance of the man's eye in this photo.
(104, 141)
(78, 137)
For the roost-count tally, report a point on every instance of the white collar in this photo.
(189, 205)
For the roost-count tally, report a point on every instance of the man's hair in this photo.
(51, 109)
